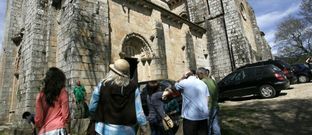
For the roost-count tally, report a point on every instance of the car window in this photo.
(230, 78)
(283, 63)
(240, 76)
(295, 67)
(275, 68)
(305, 65)
(250, 73)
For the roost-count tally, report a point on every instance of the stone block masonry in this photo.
(82, 37)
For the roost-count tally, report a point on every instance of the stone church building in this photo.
(82, 37)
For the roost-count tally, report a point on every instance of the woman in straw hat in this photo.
(115, 104)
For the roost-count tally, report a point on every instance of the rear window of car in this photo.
(305, 65)
(284, 64)
(275, 68)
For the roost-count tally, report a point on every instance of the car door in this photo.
(247, 82)
(232, 84)
(226, 84)
(237, 88)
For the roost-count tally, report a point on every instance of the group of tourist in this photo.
(116, 108)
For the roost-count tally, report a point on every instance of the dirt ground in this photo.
(288, 114)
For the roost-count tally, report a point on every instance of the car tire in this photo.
(267, 91)
(302, 79)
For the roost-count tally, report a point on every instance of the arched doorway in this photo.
(136, 48)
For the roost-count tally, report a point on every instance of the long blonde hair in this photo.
(116, 79)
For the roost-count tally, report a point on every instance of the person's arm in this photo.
(139, 109)
(65, 109)
(208, 97)
(309, 60)
(33, 125)
(156, 100)
(84, 90)
(159, 108)
(95, 99)
(178, 88)
(140, 113)
(39, 112)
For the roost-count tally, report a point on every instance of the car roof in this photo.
(159, 80)
(279, 63)
(254, 66)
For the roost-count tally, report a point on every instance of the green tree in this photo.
(306, 10)
(294, 34)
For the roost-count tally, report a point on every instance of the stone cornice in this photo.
(167, 14)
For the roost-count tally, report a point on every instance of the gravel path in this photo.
(288, 114)
(298, 91)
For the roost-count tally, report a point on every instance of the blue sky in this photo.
(2, 16)
(268, 12)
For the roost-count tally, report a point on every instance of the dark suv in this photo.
(264, 80)
(285, 67)
(302, 72)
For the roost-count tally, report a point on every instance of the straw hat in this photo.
(121, 67)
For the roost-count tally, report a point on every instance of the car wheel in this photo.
(302, 79)
(267, 91)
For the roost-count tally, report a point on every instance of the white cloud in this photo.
(270, 38)
(268, 20)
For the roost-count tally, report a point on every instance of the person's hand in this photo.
(67, 128)
(143, 130)
(165, 94)
(169, 121)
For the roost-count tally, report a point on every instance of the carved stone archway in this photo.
(136, 46)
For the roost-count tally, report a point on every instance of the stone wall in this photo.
(236, 34)
(233, 35)
(83, 42)
(73, 37)
(171, 44)
(263, 48)
(198, 11)
(7, 59)
(219, 50)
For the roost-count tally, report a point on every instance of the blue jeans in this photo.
(213, 122)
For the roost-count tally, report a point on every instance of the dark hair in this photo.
(54, 81)
(165, 84)
(152, 89)
(208, 71)
(193, 71)
(25, 114)
(201, 70)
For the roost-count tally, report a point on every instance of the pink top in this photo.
(56, 116)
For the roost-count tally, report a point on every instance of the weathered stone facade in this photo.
(82, 37)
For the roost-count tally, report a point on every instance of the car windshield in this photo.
(305, 65)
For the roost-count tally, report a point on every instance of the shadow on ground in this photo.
(249, 97)
(286, 117)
